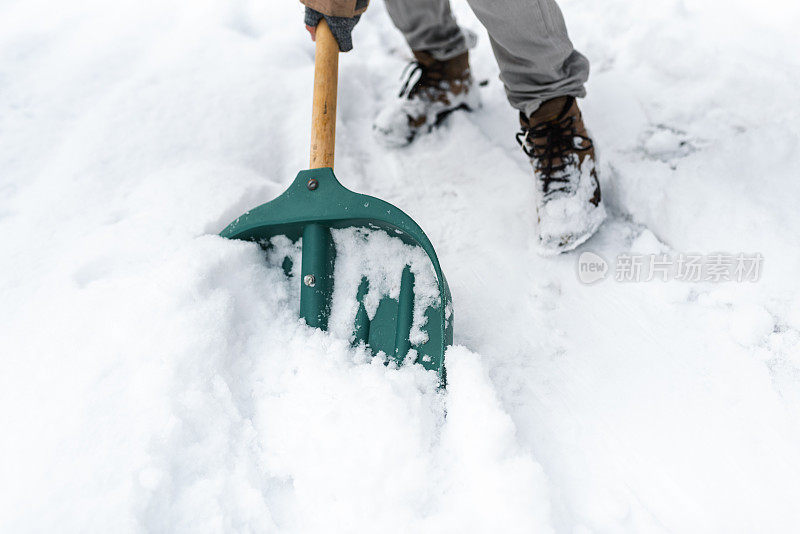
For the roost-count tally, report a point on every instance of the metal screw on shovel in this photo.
(309, 280)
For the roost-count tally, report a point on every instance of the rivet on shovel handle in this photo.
(312, 184)
(316, 265)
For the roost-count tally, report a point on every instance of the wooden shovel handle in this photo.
(323, 115)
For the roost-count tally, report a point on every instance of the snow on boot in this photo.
(432, 90)
(567, 192)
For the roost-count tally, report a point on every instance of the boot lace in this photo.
(554, 145)
(417, 77)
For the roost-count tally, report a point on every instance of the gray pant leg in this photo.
(536, 58)
(529, 38)
(428, 25)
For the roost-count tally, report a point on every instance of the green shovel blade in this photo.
(314, 204)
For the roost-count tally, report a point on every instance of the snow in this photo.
(155, 377)
(379, 258)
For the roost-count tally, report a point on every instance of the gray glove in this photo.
(341, 27)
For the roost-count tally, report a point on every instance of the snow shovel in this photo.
(403, 325)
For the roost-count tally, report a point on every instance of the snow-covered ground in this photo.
(155, 378)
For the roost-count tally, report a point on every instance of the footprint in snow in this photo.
(667, 144)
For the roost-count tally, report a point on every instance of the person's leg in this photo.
(438, 81)
(536, 58)
(428, 26)
(543, 74)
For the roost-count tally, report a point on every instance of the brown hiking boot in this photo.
(567, 192)
(432, 90)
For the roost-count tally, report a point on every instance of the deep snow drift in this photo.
(155, 378)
